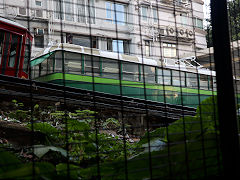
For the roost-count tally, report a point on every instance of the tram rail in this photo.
(30, 89)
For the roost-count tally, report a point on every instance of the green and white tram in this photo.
(182, 82)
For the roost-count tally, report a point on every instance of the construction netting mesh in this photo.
(116, 89)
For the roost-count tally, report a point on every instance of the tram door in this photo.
(10, 45)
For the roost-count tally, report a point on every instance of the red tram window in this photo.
(1, 45)
(5, 51)
(13, 55)
(13, 42)
(26, 60)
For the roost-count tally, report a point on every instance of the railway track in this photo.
(33, 90)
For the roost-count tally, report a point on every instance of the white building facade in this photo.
(155, 29)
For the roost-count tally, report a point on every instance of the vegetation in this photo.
(234, 23)
(79, 145)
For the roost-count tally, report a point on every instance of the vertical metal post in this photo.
(225, 91)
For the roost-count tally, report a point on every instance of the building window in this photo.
(198, 23)
(39, 37)
(85, 41)
(38, 3)
(169, 50)
(184, 19)
(68, 4)
(155, 15)
(116, 13)
(81, 11)
(58, 10)
(144, 13)
(147, 48)
(39, 41)
(119, 46)
(90, 11)
(85, 12)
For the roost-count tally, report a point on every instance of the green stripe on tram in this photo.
(100, 80)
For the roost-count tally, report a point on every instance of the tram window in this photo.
(88, 65)
(110, 68)
(35, 71)
(43, 68)
(167, 77)
(27, 55)
(160, 76)
(58, 61)
(1, 44)
(237, 84)
(177, 77)
(192, 80)
(130, 71)
(214, 84)
(203, 82)
(163, 74)
(50, 64)
(13, 51)
(73, 63)
(149, 73)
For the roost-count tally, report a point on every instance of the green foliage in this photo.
(186, 145)
(12, 168)
(40, 170)
(8, 161)
(190, 146)
(189, 128)
(63, 170)
(46, 128)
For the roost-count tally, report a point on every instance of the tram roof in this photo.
(12, 23)
(167, 63)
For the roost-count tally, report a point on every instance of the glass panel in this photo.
(81, 11)
(110, 68)
(200, 23)
(184, 19)
(39, 41)
(58, 61)
(108, 11)
(57, 10)
(167, 77)
(155, 15)
(35, 71)
(38, 3)
(1, 45)
(73, 63)
(88, 65)
(160, 76)
(214, 84)
(91, 11)
(50, 64)
(126, 47)
(130, 71)
(13, 50)
(144, 11)
(149, 73)
(177, 77)
(69, 10)
(147, 48)
(27, 55)
(192, 80)
(120, 14)
(118, 46)
(43, 68)
(203, 82)
(116, 10)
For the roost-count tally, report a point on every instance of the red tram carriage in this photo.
(15, 49)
